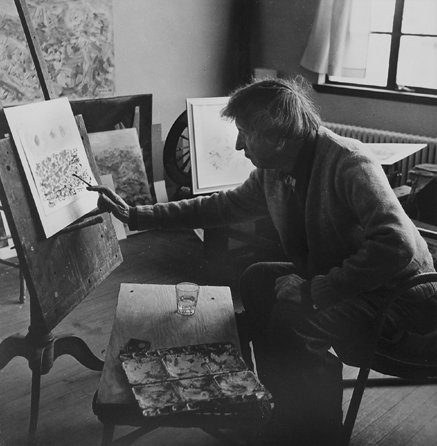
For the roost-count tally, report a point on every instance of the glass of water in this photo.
(187, 294)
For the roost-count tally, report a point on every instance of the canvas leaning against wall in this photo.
(52, 153)
(118, 153)
(76, 38)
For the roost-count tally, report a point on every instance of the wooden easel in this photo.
(59, 271)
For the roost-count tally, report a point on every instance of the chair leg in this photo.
(108, 434)
(354, 405)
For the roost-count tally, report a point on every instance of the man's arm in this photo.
(244, 203)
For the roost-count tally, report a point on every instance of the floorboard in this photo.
(401, 416)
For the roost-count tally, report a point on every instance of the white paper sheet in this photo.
(51, 151)
(391, 153)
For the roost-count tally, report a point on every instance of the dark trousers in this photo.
(291, 349)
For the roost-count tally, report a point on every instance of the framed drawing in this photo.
(215, 164)
(53, 155)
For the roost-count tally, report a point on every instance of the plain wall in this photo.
(280, 34)
(174, 49)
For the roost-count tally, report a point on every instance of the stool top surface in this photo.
(148, 312)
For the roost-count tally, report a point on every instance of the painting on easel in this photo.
(53, 157)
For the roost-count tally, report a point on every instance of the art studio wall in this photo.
(183, 48)
(280, 33)
(175, 49)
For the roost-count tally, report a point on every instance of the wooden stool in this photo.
(148, 312)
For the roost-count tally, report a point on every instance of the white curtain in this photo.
(339, 39)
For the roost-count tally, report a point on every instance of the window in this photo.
(402, 53)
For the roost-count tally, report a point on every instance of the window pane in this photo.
(382, 15)
(420, 17)
(377, 63)
(417, 65)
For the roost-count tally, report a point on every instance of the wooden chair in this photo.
(395, 360)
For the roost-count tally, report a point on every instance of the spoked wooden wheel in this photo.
(177, 162)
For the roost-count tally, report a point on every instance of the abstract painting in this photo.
(216, 165)
(118, 153)
(53, 157)
(76, 38)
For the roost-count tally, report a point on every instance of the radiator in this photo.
(400, 169)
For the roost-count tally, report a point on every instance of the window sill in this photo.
(373, 93)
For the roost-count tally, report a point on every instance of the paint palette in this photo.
(195, 377)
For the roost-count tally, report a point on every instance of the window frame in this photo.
(392, 91)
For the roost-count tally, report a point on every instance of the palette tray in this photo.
(195, 377)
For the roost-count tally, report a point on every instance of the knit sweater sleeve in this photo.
(391, 246)
(244, 203)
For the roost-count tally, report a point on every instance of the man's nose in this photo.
(240, 145)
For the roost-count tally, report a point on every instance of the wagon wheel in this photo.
(177, 162)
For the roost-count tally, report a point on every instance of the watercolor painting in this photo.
(76, 38)
(216, 165)
(53, 157)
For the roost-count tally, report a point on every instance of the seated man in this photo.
(347, 238)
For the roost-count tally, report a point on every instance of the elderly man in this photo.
(346, 236)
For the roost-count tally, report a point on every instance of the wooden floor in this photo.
(389, 416)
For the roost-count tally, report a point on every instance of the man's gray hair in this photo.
(274, 109)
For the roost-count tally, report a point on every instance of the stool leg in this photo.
(108, 434)
(354, 405)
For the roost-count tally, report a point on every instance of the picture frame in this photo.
(215, 163)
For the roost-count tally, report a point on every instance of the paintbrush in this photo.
(81, 179)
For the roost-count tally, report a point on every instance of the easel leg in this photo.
(35, 396)
(41, 352)
(76, 347)
(14, 346)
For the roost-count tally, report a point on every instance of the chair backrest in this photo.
(402, 359)
(397, 350)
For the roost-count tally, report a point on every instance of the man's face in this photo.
(262, 154)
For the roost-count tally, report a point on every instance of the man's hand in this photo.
(288, 288)
(110, 202)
